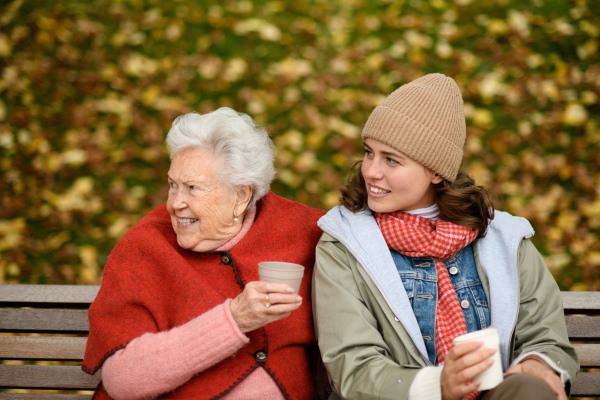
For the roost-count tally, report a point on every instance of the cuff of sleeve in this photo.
(426, 384)
(233, 323)
(547, 361)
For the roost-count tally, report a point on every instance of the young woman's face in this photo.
(394, 181)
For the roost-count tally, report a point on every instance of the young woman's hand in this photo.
(538, 369)
(463, 363)
(262, 303)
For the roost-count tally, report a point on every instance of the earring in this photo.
(236, 219)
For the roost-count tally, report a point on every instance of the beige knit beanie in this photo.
(424, 120)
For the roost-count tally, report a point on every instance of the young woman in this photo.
(416, 255)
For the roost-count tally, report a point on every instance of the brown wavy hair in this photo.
(461, 202)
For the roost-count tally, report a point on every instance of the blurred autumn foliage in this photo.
(90, 88)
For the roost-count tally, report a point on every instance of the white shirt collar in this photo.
(431, 212)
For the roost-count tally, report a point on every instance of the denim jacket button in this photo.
(464, 304)
(453, 270)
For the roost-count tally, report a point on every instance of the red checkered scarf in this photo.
(416, 236)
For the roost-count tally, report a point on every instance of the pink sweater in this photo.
(156, 363)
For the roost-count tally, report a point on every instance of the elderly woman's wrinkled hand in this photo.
(262, 303)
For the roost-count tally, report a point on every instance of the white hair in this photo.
(244, 147)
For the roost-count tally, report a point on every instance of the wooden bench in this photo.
(43, 331)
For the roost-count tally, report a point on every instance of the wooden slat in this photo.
(47, 377)
(583, 328)
(43, 396)
(75, 296)
(581, 302)
(589, 354)
(43, 320)
(586, 384)
(42, 348)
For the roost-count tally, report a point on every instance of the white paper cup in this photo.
(281, 272)
(491, 377)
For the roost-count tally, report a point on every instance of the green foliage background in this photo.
(89, 89)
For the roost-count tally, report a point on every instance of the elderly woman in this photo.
(181, 313)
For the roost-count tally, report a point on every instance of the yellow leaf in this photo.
(345, 128)
(74, 157)
(331, 199)
(235, 69)
(567, 220)
(292, 68)
(492, 85)
(556, 262)
(139, 65)
(417, 40)
(443, 49)
(305, 162)
(5, 46)
(6, 140)
(593, 258)
(497, 27)
(288, 177)
(119, 227)
(483, 117)
(89, 258)
(11, 233)
(150, 95)
(292, 139)
(575, 114)
(340, 160)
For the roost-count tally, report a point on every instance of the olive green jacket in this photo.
(365, 337)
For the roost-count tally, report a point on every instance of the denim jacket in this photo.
(419, 277)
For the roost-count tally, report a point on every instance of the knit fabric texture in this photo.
(424, 120)
(152, 285)
(156, 363)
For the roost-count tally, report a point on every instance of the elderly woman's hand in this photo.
(262, 303)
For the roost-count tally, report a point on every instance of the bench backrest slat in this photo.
(581, 303)
(586, 384)
(583, 328)
(63, 348)
(43, 396)
(72, 296)
(589, 354)
(47, 377)
(43, 320)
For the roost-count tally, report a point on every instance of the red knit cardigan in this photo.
(151, 284)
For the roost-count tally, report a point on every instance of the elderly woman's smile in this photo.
(187, 221)
(202, 208)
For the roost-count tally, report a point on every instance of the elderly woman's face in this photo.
(201, 207)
